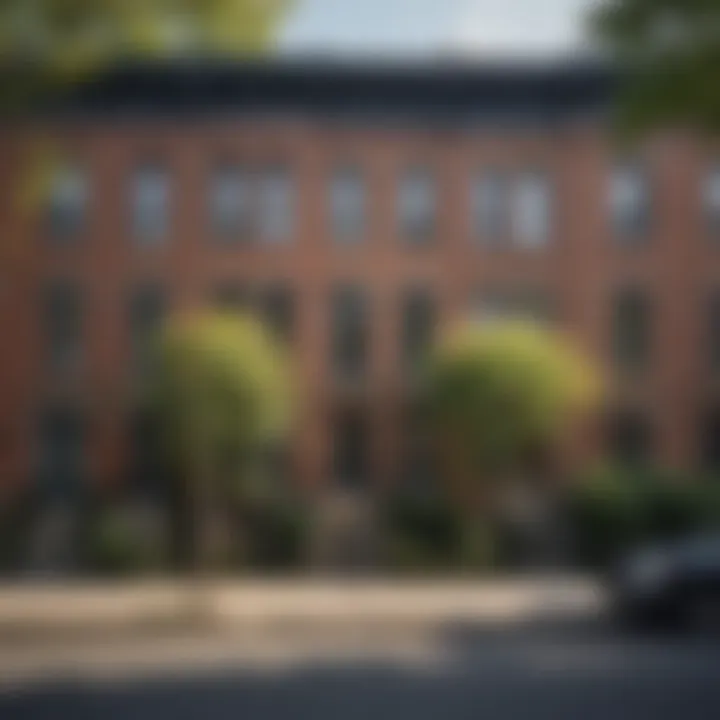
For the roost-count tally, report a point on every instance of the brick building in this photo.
(362, 210)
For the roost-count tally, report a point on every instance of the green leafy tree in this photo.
(223, 394)
(667, 52)
(497, 392)
(64, 39)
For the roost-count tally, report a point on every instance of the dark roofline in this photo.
(432, 91)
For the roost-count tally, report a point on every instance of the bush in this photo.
(116, 547)
(16, 521)
(605, 517)
(277, 535)
(614, 509)
(422, 532)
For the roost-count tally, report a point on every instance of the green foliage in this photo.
(423, 532)
(116, 548)
(70, 37)
(614, 509)
(222, 390)
(668, 52)
(222, 394)
(605, 515)
(278, 534)
(497, 391)
(16, 517)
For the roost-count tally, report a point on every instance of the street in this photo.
(573, 667)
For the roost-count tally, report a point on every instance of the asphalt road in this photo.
(567, 669)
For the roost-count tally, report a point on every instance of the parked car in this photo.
(676, 585)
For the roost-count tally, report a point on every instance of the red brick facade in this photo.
(579, 269)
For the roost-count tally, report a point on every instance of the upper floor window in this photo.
(488, 206)
(63, 326)
(629, 202)
(67, 202)
(711, 200)
(147, 312)
(151, 197)
(350, 332)
(230, 202)
(531, 210)
(276, 205)
(418, 324)
(347, 205)
(417, 205)
(631, 329)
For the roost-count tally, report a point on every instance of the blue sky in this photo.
(436, 27)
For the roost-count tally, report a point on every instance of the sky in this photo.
(452, 28)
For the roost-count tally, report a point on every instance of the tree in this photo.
(222, 394)
(667, 53)
(495, 393)
(63, 39)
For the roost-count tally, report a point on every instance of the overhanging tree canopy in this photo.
(667, 52)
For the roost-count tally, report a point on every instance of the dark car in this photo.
(674, 585)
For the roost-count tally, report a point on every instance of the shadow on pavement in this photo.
(549, 667)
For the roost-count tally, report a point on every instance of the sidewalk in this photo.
(44, 608)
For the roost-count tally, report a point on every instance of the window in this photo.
(349, 332)
(531, 210)
(419, 466)
(350, 448)
(147, 469)
(277, 308)
(276, 206)
(347, 205)
(710, 440)
(63, 326)
(147, 312)
(61, 452)
(230, 203)
(631, 329)
(67, 202)
(417, 205)
(232, 296)
(151, 195)
(488, 207)
(418, 324)
(629, 438)
(629, 202)
(711, 200)
(713, 330)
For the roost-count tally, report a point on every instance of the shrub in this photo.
(422, 532)
(277, 534)
(116, 547)
(613, 509)
(605, 516)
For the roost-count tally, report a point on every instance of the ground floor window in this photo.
(630, 438)
(710, 440)
(350, 451)
(60, 453)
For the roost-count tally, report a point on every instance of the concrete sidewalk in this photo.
(41, 608)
